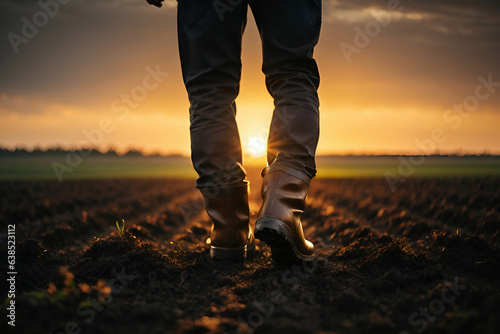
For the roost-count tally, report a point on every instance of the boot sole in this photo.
(228, 254)
(278, 236)
(231, 254)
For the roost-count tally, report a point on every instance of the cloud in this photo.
(29, 105)
(459, 17)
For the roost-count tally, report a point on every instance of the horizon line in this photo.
(139, 152)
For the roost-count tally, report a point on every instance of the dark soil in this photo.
(424, 258)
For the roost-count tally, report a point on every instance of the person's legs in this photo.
(210, 50)
(289, 32)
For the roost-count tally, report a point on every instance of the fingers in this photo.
(156, 3)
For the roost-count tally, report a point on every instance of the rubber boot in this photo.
(284, 192)
(231, 237)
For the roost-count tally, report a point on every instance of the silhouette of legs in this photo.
(210, 34)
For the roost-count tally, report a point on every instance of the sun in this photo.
(256, 147)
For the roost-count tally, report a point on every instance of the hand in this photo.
(156, 3)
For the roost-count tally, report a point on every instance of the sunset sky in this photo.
(384, 90)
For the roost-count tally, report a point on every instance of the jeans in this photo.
(210, 34)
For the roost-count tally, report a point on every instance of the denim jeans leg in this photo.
(210, 52)
(289, 31)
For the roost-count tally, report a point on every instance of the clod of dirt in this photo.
(114, 246)
(30, 250)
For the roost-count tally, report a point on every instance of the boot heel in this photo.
(277, 235)
(228, 254)
(272, 231)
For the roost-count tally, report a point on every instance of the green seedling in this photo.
(120, 229)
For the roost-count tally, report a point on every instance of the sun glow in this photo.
(256, 147)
